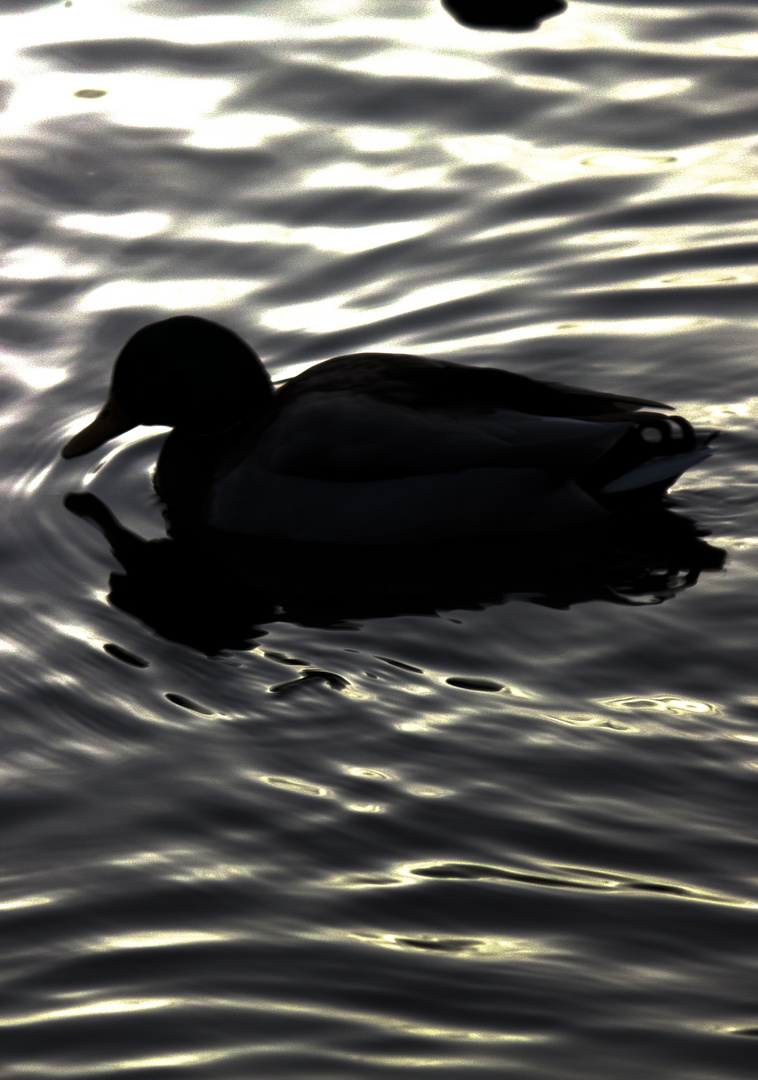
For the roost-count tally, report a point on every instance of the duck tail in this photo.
(649, 458)
(655, 476)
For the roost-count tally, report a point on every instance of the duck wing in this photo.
(423, 383)
(348, 435)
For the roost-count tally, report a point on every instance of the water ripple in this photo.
(497, 831)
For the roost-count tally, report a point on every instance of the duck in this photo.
(380, 448)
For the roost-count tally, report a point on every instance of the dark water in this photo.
(506, 835)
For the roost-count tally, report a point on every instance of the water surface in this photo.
(506, 833)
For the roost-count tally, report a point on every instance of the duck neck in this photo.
(188, 463)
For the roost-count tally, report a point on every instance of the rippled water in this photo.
(461, 828)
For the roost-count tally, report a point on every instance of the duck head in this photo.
(183, 372)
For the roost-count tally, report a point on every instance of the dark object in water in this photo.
(381, 448)
(214, 591)
(499, 15)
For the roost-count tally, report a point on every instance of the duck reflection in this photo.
(503, 15)
(213, 591)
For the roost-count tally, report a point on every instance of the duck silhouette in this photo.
(380, 448)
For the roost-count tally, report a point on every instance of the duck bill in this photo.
(109, 422)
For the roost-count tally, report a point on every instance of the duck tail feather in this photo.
(656, 470)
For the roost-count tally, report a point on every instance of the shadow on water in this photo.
(213, 590)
